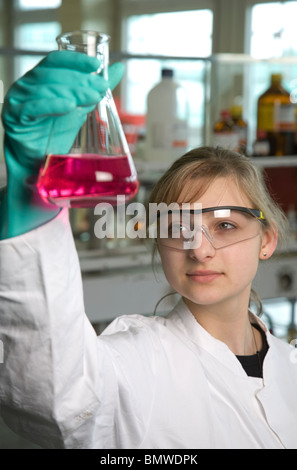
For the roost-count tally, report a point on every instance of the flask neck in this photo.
(87, 42)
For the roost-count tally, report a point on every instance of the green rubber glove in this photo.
(53, 99)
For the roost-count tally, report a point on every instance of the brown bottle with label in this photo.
(276, 119)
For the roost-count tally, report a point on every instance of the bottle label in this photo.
(168, 136)
(227, 140)
(286, 118)
(276, 117)
(242, 139)
(261, 148)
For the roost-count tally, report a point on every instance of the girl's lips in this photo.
(203, 277)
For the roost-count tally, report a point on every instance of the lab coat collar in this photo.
(276, 392)
(186, 322)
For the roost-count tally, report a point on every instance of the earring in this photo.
(264, 254)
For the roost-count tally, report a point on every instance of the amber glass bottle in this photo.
(276, 118)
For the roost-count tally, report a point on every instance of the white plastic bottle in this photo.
(166, 120)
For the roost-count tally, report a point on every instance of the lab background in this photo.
(222, 53)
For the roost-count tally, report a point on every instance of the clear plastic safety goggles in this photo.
(222, 226)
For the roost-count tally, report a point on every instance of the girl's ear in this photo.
(269, 243)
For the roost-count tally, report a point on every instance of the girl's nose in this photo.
(204, 250)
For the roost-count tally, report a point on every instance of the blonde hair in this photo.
(189, 177)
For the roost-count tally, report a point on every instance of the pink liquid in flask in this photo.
(84, 180)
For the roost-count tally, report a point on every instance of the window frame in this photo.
(21, 17)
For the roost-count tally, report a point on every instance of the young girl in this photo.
(207, 376)
(217, 178)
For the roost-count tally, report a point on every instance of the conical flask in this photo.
(99, 166)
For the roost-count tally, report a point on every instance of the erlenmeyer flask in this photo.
(99, 166)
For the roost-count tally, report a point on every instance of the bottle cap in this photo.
(236, 110)
(167, 73)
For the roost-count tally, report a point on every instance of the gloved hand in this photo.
(42, 113)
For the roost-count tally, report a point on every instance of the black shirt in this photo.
(253, 365)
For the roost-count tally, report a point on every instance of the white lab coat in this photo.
(151, 383)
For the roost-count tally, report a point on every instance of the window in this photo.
(273, 36)
(173, 34)
(37, 4)
(176, 34)
(274, 32)
(37, 36)
(34, 37)
(35, 29)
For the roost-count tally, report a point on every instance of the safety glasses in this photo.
(222, 226)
